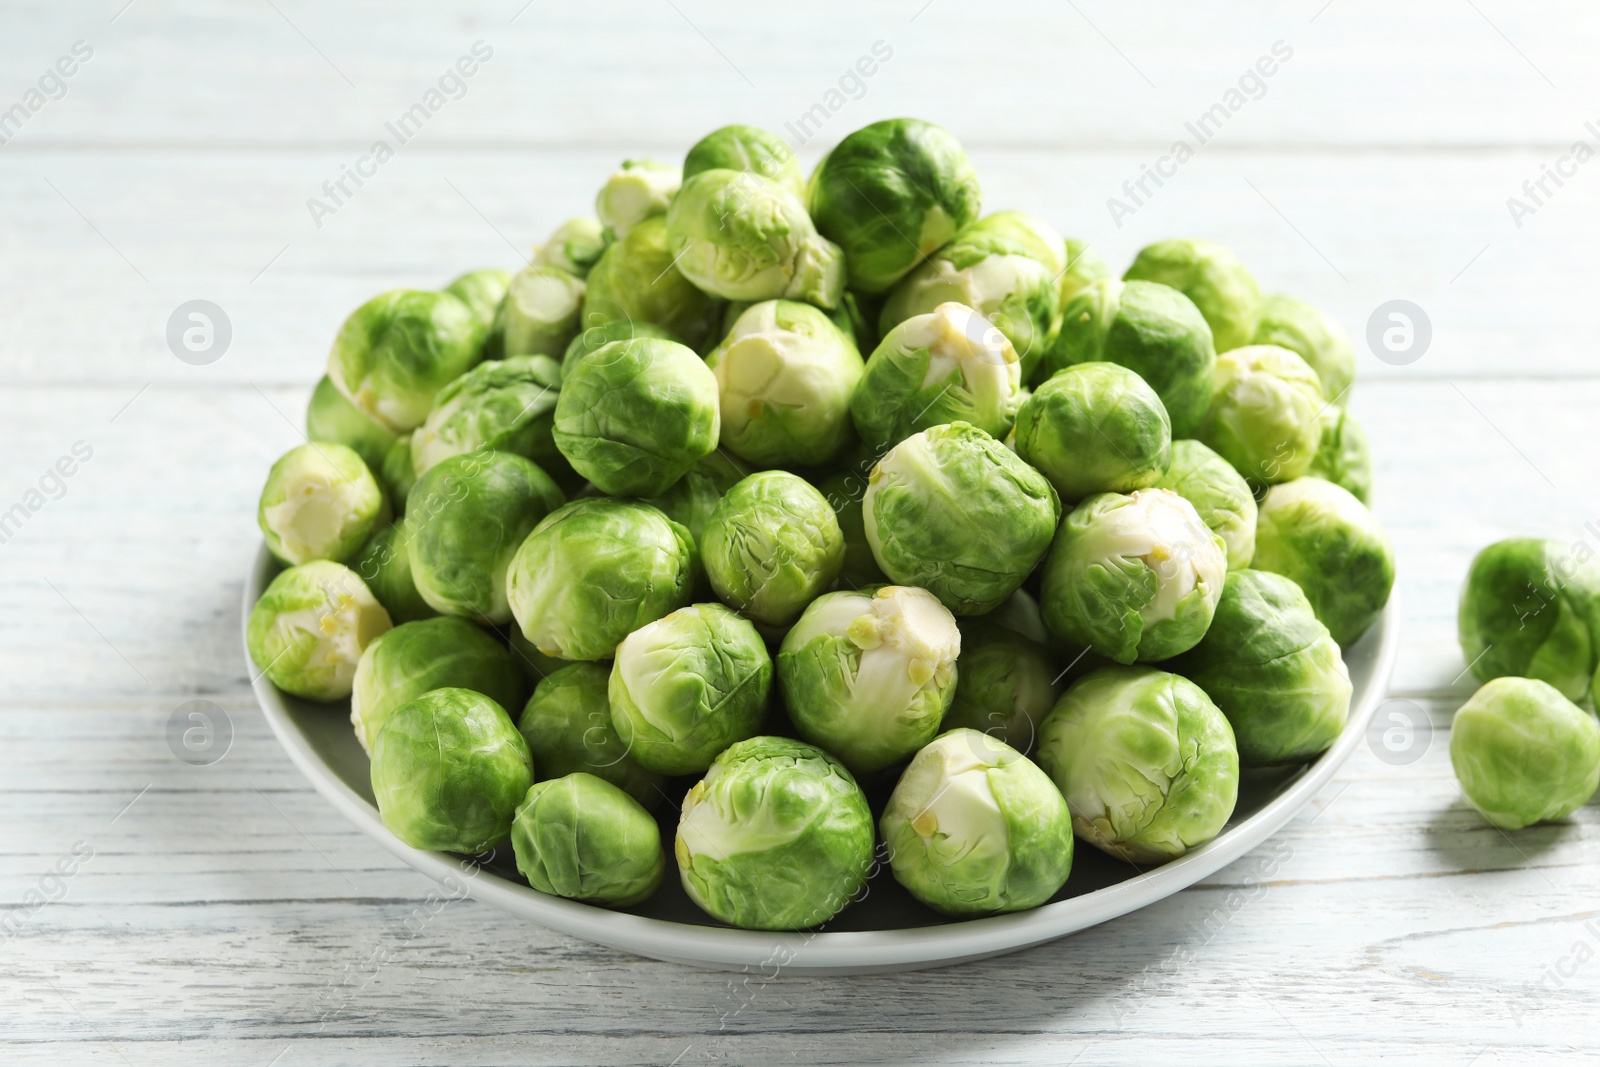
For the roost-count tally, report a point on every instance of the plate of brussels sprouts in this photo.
(822, 575)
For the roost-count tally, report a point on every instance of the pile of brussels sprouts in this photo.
(852, 525)
(1523, 749)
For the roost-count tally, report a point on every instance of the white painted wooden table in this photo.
(226, 914)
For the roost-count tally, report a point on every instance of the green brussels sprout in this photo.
(502, 406)
(417, 657)
(483, 291)
(693, 498)
(603, 334)
(1273, 669)
(747, 148)
(542, 311)
(1145, 760)
(1220, 495)
(776, 836)
(687, 686)
(581, 837)
(1005, 266)
(1523, 753)
(635, 416)
(954, 511)
(332, 418)
(593, 572)
(385, 565)
(1154, 331)
(974, 828)
(567, 724)
(870, 674)
(1531, 609)
(1133, 577)
(320, 502)
(1343, 456)
(1084, 267)
(1095, 428)
(468, 515)
(574, 247)
(949, 365)
(1210, 275)
(399, 473)
(1311, 335)
(771, 546)
(890, 194)
(844, 491)
(1007, 684)
(1331, 546)
(309, 628)
(785, 376)
(638, 190)
(1265, 414)
(636, 279)
(740, 236)
(400, 348)
(448, 771)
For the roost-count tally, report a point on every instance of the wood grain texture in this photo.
(227, 914)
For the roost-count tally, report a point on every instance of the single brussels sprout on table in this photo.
(542, 311)
(974, 828)
(1273, 669)
(870, 674)
(740, 236)
(448, 771)
(467, 517)
(1084, 267)
(502, 406)
(638, 190)
(776, 836)
(1265, 414)
(950, 365)
(418, 657)
(400, 348)
(1145, 760)
(385, 565)
(747, 148)
(785, 378)
(890, 194)
(637, 280)
(581, 837)
(1005, 266)
(330, 417)
(1210, 275)
(1154, 331)
(1311, 335)
(1523, 753)
(1006, 684)
(593, 572)
(567, 724)
(954, 511)
(1343, 456)
(309, 628)
(600, 335)
(771, 546)
(635, 416)
(575, 246)
(1327, 541)
(687, 686)
(1133, 577)
(320, 502)
(1095, 428)
(1220, 495)
(1531, 609)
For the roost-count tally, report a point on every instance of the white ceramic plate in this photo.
(885, 931)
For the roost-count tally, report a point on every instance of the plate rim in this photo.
(826, 951)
